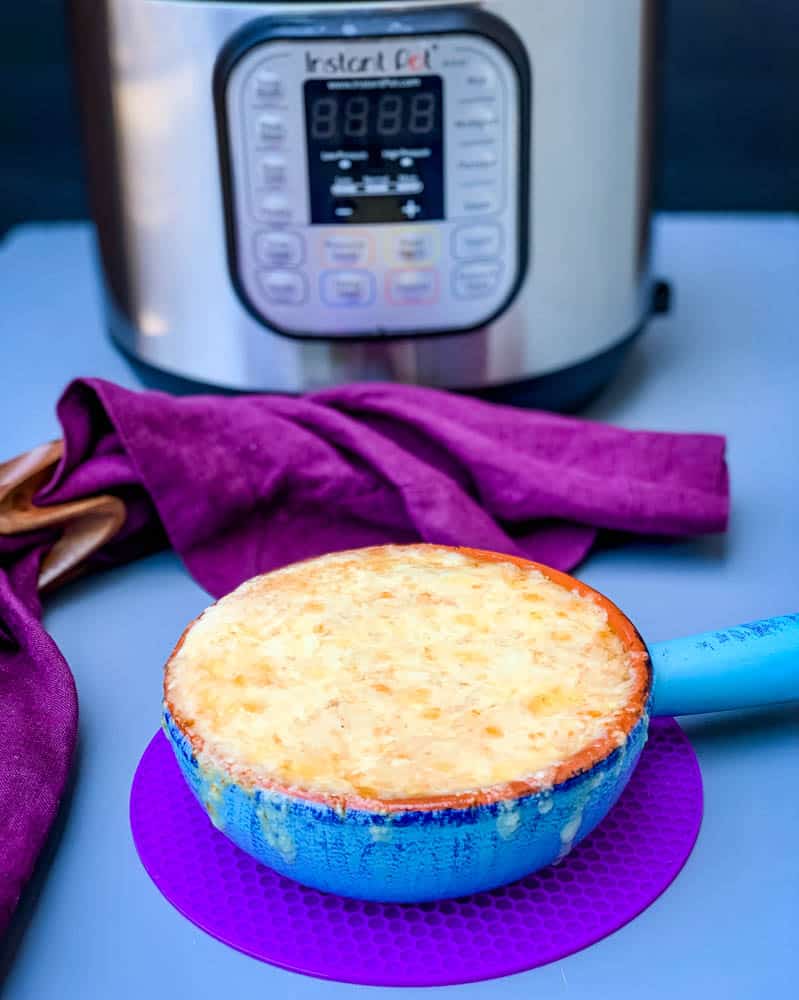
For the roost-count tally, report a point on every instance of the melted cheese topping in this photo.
(400, 672)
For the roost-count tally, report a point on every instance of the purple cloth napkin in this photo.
(241, 485)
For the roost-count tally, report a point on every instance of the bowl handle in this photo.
(741, 667)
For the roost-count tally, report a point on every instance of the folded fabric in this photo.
(241, 485)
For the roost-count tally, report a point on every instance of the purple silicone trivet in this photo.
(612, 876)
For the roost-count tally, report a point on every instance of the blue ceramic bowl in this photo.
(414, 855)
(428, 852)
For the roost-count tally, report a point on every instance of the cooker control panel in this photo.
(376, 172)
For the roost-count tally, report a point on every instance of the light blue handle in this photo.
(741, 667)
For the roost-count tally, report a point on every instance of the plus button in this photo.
(410, 209)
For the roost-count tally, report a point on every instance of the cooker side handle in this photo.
(740, 667)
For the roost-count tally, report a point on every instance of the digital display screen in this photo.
(375, 149)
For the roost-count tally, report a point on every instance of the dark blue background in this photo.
(730, 122)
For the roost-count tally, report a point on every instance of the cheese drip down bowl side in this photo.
(439, 846)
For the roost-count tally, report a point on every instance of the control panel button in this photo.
(270, 127)
(285, 288)
(476, 116)
(482, 200)
(267, 85)
(279, 249)
(476, 157)
(276, 209)
(476, 242)
(479, 76)
(347, 288)
(346, 249)
(273, 169)
(415, 246)
(474, 281)
(416, 286)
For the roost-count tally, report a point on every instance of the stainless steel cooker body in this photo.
(208, 146)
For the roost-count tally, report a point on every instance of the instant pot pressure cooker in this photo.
(292, 195)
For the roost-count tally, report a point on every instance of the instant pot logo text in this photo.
(408, 60)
